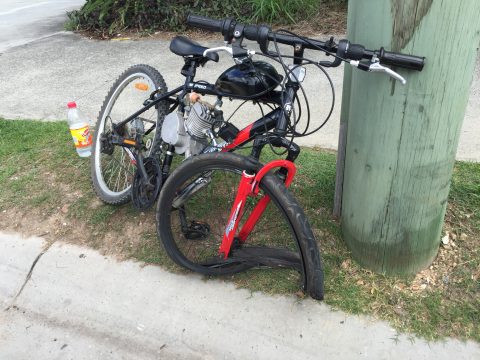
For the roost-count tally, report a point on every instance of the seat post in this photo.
(189, 69)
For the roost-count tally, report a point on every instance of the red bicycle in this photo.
(218, 212)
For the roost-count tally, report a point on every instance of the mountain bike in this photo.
(218, 212)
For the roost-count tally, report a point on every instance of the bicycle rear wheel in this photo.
(112, 168)
(193, 211)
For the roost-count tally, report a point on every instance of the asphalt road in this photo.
(24, 21)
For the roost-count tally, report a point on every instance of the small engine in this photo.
(200, 119)
(189, 135)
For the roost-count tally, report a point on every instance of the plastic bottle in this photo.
(80, 130)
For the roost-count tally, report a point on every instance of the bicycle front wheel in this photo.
(194, 208)
(112, 167)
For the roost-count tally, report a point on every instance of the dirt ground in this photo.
(125, 230)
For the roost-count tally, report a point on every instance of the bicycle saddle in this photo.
(183, 46)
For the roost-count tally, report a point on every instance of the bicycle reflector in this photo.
(141, 86)
(129, 142)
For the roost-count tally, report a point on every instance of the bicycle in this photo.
(262, 225)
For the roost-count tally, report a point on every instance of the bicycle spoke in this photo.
(125, 182)
(112, 172)
(120, 165)
(117, 182)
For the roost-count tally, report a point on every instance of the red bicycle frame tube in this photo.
(260, 126)
(249, 187)
(242, 137)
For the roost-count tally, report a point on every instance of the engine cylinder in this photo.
(199, 120)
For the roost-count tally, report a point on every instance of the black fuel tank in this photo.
(248, 80)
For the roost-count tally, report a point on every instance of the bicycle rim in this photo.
(115, 171)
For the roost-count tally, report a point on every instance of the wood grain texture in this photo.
(342, 143)
(402, 140)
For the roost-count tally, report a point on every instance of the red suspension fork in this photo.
(249, 186)
(244, 190)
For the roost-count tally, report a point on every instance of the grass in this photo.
(283, 11)
(46, 188)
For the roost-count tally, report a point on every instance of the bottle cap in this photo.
(72, 105)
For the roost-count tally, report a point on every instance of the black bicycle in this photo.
(221, 213)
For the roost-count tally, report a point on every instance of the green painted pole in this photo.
(401, 140)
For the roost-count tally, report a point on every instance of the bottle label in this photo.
(82, 137)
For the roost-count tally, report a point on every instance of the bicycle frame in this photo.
(247, 134)
(258, 131)
(203, 129)
(269, 122)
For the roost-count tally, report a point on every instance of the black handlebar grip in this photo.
(205, 23)
(404, 61)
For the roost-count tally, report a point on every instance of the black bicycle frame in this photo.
(257, 130)
(204, 88)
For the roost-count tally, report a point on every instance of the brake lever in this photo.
(376, 67)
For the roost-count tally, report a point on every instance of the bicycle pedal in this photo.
(196, 230)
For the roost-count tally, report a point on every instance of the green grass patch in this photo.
(150, 251)
(25, 181)
(465, 195)
(43, 178)
(278, 11)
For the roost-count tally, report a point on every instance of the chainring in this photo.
(145, 193)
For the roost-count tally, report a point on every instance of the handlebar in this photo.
(224, 26)
(345, 50)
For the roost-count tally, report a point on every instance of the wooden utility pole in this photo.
(401, 140)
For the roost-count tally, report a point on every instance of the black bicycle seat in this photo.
(183, 46)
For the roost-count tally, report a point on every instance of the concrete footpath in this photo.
(39, 78)
(68, 302)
